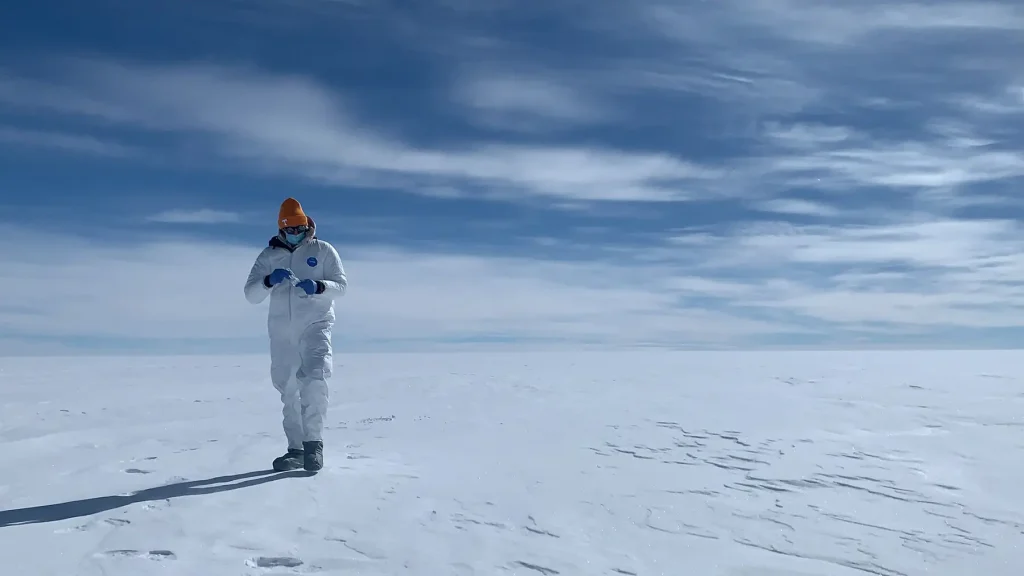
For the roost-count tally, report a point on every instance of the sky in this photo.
(517, 174)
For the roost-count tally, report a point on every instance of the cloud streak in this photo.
(182, 289)
(527, 102)
(751, 286)
(888, 277)
(293, 126)
(60, 141)
(847, 160)
(201, 216)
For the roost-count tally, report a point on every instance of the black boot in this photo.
(292, 460)
(314, 456)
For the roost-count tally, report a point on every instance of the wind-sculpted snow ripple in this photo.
(839, 499)
(738, 464)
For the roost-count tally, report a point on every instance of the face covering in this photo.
(294, 239)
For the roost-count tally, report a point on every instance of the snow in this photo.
(644, 463)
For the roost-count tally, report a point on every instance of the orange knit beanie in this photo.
(291, 214)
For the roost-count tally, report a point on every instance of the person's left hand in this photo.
(308, 285)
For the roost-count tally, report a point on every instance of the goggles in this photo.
(295, 229)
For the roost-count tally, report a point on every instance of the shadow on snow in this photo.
(79, 508)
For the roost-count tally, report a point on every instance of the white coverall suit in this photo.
(300, 329)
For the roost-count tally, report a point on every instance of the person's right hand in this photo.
(280, 275)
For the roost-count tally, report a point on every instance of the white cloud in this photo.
(1009, 101)
(841, 159)
(797, 206)
(948, 243)
(63, 141)
(906, 276)
(201, 216)
(193, 290)
(784, 56)
(751, 83)
(41, 95)
(838, 24)
(528, 102)
(852, 22)
(807, 137)
(449, 295)
(755, 283)
(292, 125)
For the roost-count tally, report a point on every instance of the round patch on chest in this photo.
(311, 261)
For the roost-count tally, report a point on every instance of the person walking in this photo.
(303, 276)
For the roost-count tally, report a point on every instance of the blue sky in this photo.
(694, 174)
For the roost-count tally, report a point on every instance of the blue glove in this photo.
(308, 285)
(279, 275)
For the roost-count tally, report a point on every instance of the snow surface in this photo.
(732, 464)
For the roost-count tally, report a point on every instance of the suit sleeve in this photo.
(335, 283)
(256, 289)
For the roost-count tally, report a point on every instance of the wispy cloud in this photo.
(528, 102)
(201, 216)
(911, 275)
(852, 23)
(796, 206)
(296, 127)
(395, 294)
(790, 56)
(845, 24)
(851, 160)
(751, 285)
(1008, 101)
(765, 64)
(76, 143)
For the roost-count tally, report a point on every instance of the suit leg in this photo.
(315, 369)
(283, 364)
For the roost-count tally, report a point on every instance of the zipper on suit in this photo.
(291, 291)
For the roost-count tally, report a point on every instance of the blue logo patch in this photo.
(311, 261)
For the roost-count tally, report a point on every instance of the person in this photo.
(303, 276)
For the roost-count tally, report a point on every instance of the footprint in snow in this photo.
(156, 505)
(93, 524)
(273, 562)
(150, 555)
(377, 419)
(536, 568)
